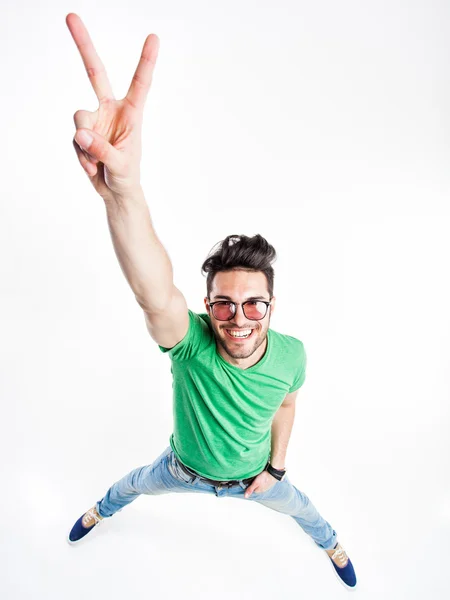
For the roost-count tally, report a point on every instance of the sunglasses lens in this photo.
(255, 310)
(222, 311)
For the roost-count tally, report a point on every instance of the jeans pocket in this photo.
(267, 492)
(176, 470)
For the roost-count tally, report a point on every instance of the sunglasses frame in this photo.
(236, 304)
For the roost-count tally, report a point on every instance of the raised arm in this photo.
(108, 146)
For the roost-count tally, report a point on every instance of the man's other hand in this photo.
(262, 482)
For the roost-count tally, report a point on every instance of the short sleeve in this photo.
(301, 369)
(199, 336)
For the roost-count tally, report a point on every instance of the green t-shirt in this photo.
(223, 414)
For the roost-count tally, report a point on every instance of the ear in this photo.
(272, 306)
(205, 300)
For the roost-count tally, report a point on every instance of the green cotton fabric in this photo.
(223, 414)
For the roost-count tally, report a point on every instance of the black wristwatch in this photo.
(277, 473)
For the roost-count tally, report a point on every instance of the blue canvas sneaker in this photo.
(84, 525)
(342, 566)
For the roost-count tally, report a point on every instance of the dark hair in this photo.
(243, 253)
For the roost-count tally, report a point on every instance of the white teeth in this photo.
(240, 333)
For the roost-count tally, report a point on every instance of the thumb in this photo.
(249, 491)
(99, 148)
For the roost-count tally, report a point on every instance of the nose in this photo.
(239, 317)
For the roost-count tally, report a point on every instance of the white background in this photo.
(323, 126)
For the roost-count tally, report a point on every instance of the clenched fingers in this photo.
(96, 145)
(85, 160)
(85, 119)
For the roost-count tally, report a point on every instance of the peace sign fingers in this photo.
(94, 66)
(142, 77)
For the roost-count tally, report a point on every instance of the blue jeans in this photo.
(165, 475)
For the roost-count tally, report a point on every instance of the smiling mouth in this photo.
(240, 337)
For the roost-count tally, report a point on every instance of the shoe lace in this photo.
(340, 555)
(92, 515)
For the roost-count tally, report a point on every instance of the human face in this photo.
(239, 286)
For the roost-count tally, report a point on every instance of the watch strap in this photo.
(277, 473)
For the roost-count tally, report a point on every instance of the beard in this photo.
(241, 352)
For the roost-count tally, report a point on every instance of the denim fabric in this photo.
(165, 475)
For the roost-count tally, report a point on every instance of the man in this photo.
(235, 379)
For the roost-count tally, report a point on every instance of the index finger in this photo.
(94, 66)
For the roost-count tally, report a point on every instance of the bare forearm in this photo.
(143, 259)
(281, 431)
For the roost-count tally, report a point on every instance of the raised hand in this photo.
(111, 158)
